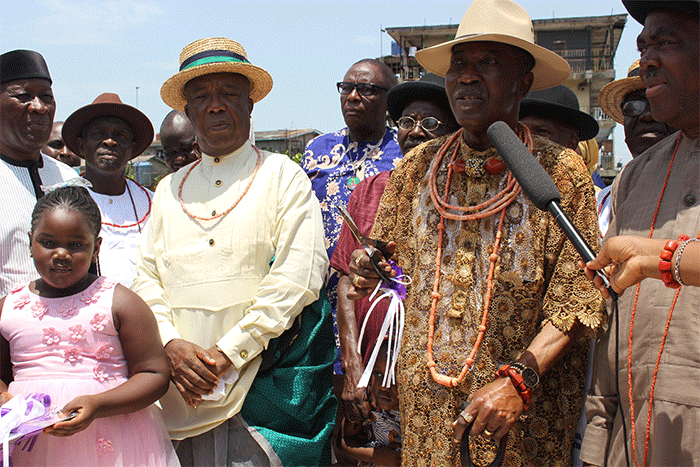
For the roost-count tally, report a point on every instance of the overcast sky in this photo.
(95, 46)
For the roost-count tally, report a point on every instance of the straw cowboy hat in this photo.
(214, 55)
(612, 94)
(501, 21)
(561, 104)
(108, 105)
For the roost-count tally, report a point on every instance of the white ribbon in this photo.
(392, 326)
(20, 410)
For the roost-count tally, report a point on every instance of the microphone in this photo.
(539, 187)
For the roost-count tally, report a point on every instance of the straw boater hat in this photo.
(430, 87)
(214, 55)
(501, 21)
(108, 105)
(612, 94)
(561, 104)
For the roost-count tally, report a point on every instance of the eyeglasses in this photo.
(634, 108)
(363, 89)
(427, 124)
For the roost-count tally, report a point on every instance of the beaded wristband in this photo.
(517, 380)
(665, 264)
(677, 267)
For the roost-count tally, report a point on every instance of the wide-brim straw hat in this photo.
(430, 87)
(108, 105)
(611, 96)
(214, 55)
(560, 104)
(502, 21)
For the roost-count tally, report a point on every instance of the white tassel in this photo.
(392, 327)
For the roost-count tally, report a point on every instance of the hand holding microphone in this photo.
(539, 187)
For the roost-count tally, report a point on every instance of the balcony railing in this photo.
(580, 61)
(598, 114)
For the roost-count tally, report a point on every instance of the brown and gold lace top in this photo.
(536, 281)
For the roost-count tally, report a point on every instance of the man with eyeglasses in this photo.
(422, 112)
(337, 162)
(624, 100)
(57, 148)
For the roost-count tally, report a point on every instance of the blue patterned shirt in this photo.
(335, 166)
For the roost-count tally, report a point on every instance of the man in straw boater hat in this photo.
(624, 101)
(655, 222)
(108, 134)
(234, 252)
(27, 107)
(503, 271)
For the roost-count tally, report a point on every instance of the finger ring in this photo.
(357, 260)
(488, 432)
(356, 282)
(467, 417)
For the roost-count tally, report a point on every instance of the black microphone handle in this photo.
(577, 240)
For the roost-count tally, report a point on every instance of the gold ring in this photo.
(357, 260)
(356, 282)
(467, 417)
(489, 433)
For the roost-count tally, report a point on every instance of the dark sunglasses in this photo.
(634, 108)
(363, 89)
(427, 124)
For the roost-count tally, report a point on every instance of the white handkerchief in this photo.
(229, 377)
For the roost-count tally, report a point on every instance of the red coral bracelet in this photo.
(516, 378)
(665, 267)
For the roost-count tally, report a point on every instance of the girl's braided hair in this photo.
(72, 198)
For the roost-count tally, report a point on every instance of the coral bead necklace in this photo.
(496, 204)
(663, 340)
(133, 205)
(235, 203)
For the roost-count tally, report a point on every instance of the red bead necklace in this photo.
(663, 340)
(138, 221)
(235, 203)
(496, 204)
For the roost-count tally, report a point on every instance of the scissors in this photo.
(375, 255)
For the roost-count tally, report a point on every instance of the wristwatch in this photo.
(530, 376)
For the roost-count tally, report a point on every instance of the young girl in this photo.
(89, 343)
(376, 442)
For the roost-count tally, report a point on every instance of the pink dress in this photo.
(66, 347)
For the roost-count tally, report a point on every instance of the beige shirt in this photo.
(675, 421)
(210, 282)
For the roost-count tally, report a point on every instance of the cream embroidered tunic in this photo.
(210, 282)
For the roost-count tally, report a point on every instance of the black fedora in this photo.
(560, 103)
(640, 9)
(23, 64)
(430, 87)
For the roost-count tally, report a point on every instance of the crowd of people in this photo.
(394, 299)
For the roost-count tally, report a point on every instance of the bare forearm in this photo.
(138, 392)
(347, 326)
(547, 347)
